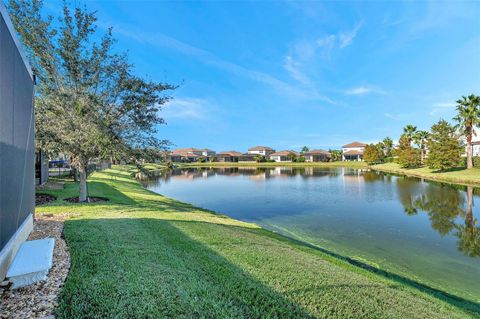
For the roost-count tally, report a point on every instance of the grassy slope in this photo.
(143, 255)
(275, 164)
(461, 176)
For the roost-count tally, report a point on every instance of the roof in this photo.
(183, 153)
(353, 152)
(261, 148)
(229, 153)
(354, 144)
(317, 152)
(284, 153)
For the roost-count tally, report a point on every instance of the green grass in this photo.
(457, 176)
(142, 255)
(278, 164)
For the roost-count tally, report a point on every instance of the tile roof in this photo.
(284, 153)
(261, 148)
(229, 153)
(317, 152)
(354, 144)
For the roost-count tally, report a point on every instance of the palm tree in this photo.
(388, 146)
(468, 117)
(409, 131)
(420, 138)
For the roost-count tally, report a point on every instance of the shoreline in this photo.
(457, 177)
(92, 222)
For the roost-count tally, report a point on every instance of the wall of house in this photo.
(346, 149)
(17, 149)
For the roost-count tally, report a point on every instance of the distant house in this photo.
(229, 156)
(191, 154)
(353, 151)
(261, 150)
(317, 156)
(283, 156)
(246, 157)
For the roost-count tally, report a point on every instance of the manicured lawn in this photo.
(273, 164)
(143, 255)
(459, 176)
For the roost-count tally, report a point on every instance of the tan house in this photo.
(229, 156)
(317, 156)
(261, 150)
(353, 151)
(283, 156)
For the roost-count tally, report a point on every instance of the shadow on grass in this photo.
(454, 169)
(147, 268)
(150, 268)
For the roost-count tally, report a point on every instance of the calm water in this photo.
(424, 230)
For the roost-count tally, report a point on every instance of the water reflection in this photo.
(448, 209)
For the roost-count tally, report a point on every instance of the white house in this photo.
(283, 156)
(261, 150)
(353, 151)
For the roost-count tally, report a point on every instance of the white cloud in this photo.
(294, 68)
(346, 38)
(363, 90)
(160, 40)
(185, 108)
(442, 107)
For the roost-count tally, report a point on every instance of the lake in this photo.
(422, 230)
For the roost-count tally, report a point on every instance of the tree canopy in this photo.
(89, 101)
(444, 147)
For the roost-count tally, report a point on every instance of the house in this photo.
(261, 150)
(317, 156)
(476, 148)
(353, 151)
(191, 154)
(17, 147)
(246, 157)
(229, 156)
(283, 156)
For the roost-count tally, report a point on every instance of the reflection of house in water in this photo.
(282, 171)
(255, 173)
(229, 171)
(315, 172)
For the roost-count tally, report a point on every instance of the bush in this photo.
(388, 160)
(476, 161)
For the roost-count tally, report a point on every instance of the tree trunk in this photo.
(469, 217)
(469, 148)
(75, 175)
(82, 171)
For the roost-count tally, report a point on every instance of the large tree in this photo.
(420, 138)
(409, 132)
(468, 117)
(387, 146)
(444, 147)
(407, 156)
(89, 103)
(372, 154)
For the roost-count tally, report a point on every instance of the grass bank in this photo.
(142, 255)
(278, 164)
(456, 176)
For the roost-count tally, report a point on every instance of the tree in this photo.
(89, 104)
(407, 156)
(292, 156)
(420, 139)
(372, 154)
(444, 147)
(336, 155)
(468, 117)
(260, 158)
(304, 150)
(409, 132)
(388, 146)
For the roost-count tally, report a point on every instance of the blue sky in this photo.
(287, 74)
